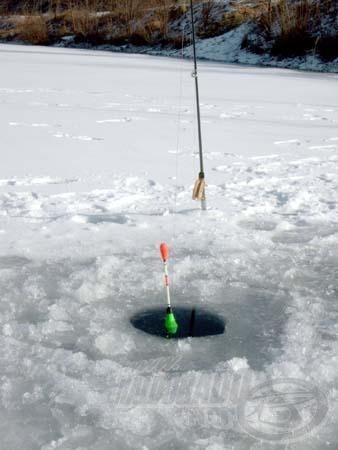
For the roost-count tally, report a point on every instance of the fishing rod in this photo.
(199, 187)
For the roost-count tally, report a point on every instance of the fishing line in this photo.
(170, 323)
(178, 142)
(179, 117)
(199, 186)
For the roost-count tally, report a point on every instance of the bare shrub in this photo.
(129, 12)
(210, 24)
(240, 15)
(291, 26)
(33, 29)
(162, 14)
(84, 22)
(291, 18)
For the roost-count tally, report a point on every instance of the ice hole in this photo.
(192, 322)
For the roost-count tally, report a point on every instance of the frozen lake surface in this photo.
(98, 158)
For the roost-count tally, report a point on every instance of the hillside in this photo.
(301, 33)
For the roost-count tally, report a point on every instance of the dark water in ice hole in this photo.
(243, 323)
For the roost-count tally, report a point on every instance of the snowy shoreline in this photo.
(223, 49)
(215, 50)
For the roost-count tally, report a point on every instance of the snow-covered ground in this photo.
(228, 48)
(98, 159)
(225, 48)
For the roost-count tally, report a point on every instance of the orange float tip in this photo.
(164, 251)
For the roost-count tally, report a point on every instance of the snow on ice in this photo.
(98, 159)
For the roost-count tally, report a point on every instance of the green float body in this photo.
(170, 322)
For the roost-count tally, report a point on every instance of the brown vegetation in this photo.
(94, 21)
(33, 29)
(285, 27)
(296, 27)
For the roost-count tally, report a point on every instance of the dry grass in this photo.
(294, 28)
(240, 15)
(283, 27)
(83, 22)
(284, 16)
(291, 27)
(33, 29)
(97, 21)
